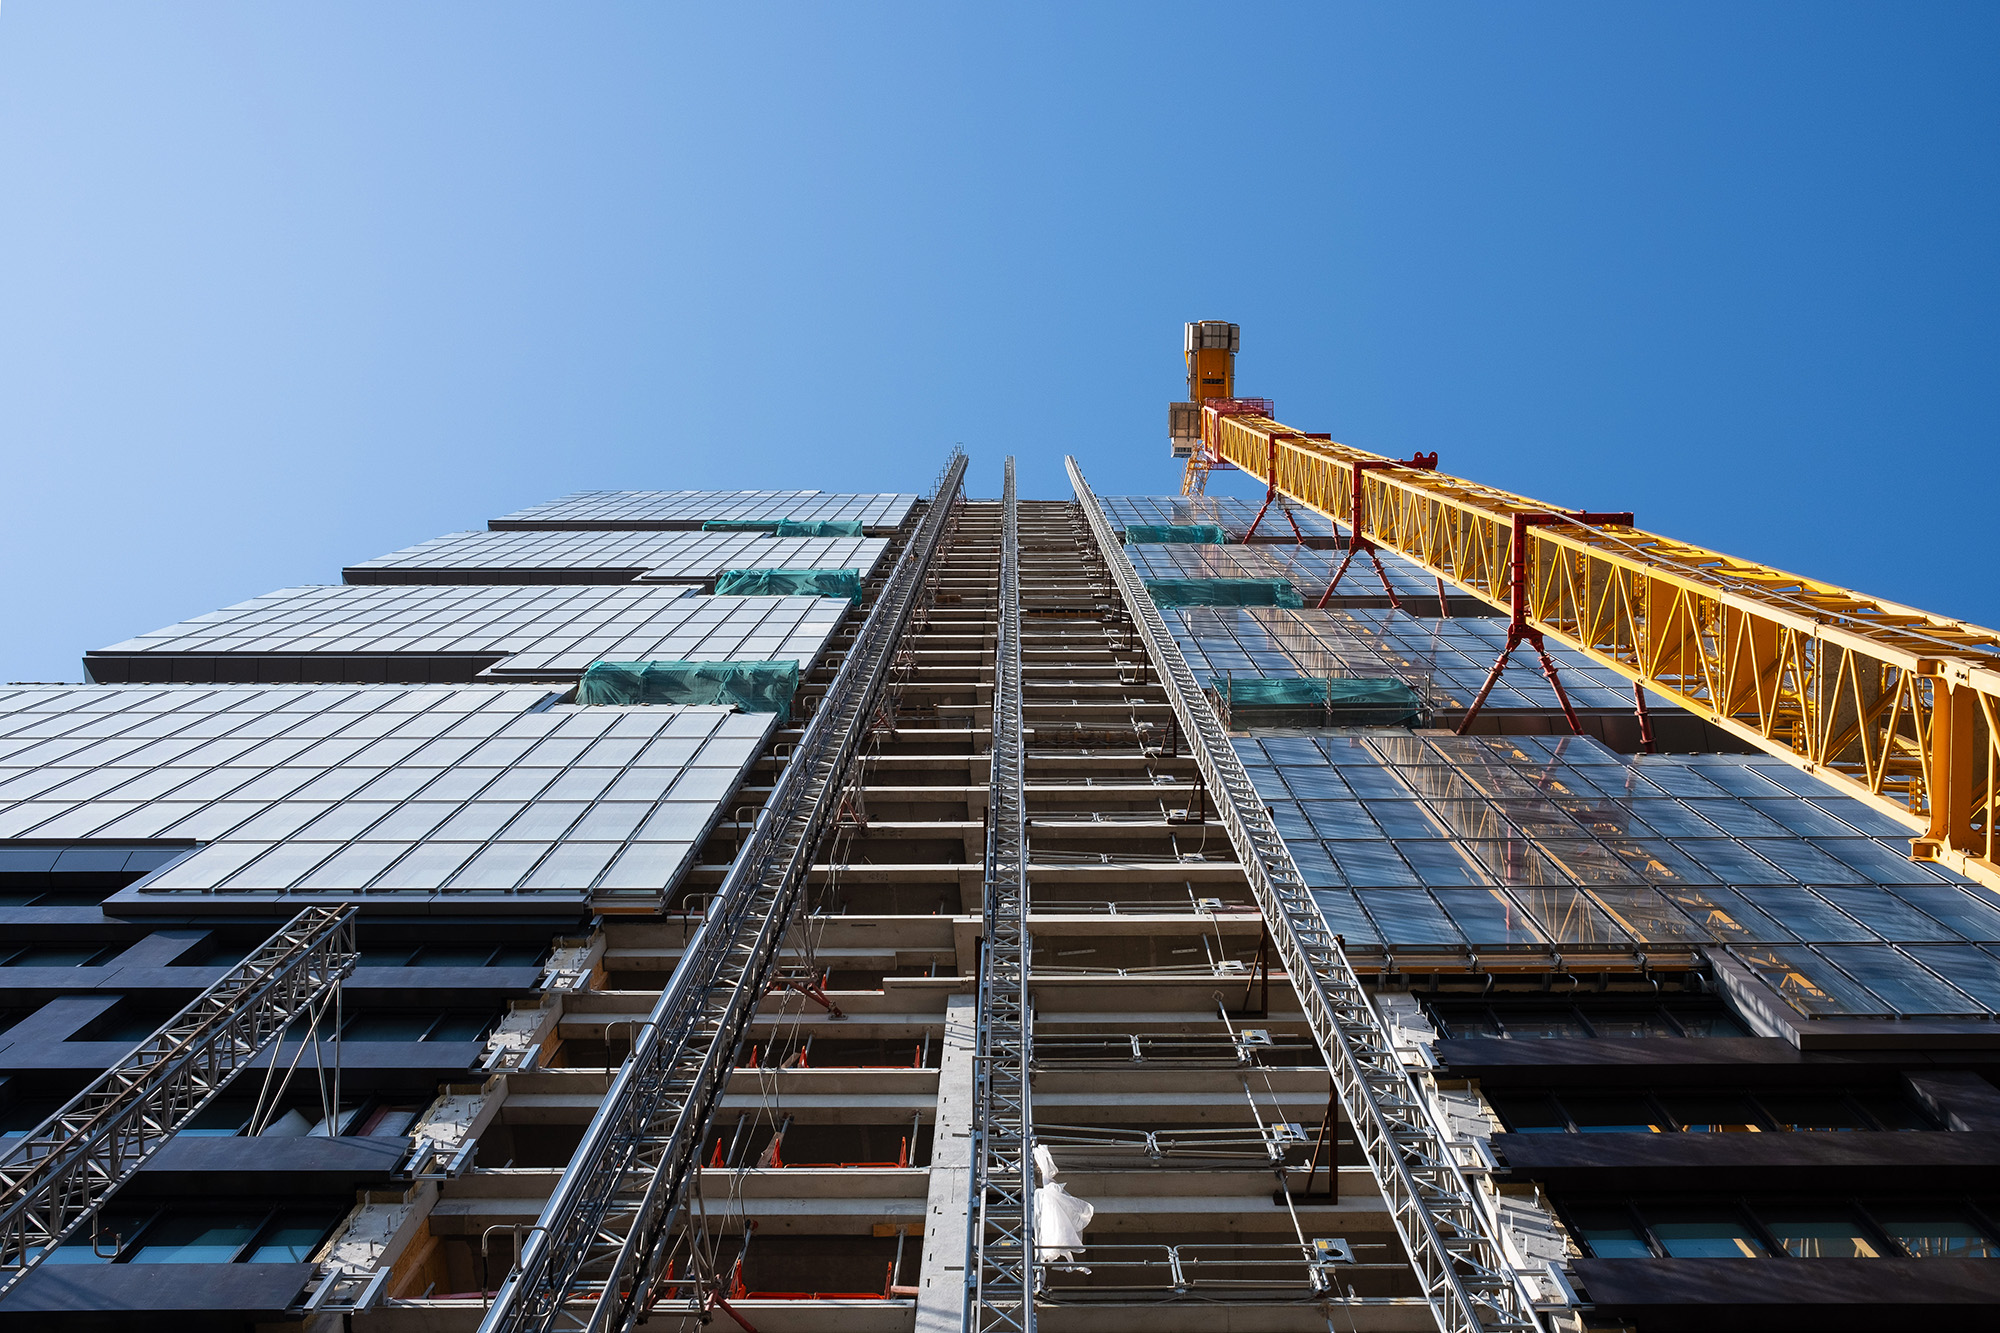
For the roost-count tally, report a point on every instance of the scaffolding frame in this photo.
(58, 1177)
(1452, 1244)
(999, 1267)
(595, 1256)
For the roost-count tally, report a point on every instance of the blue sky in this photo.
(287, 286)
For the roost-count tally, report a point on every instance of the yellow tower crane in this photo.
(1896, 706)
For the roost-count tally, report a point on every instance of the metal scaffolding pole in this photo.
(594, 1256)
(999, 1270)
(56, 1179)
(1447, 1234)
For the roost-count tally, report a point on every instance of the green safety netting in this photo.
(819, 527)
(1155, 534)
(1347, 699)
(790, 583)
(740, 525)
(752, 687)
(1223, 592)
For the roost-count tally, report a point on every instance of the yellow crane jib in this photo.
(1896, 706)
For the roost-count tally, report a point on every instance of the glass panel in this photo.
(1532, 1024)
(1883, 912)
(218, 1120)
(1809, 1112)
(1712, 1113)
(1442, 863)
(1344, 915)
(1647, 916)
(1934, 1231)
(1818, 1233)
(1467, 1023)
(1704, 1233)
(1608, 1231)
(1893, 1110)
(1808, 982)
(1489, 918)
(390, 1025)
(293, 1239)
(1971, 970)
(1808, 916)
(1630, 1022)
(1614, 1115)
(470, 955)
(1528, 1113)
(1955, 907)
(1409, 917)
(1568, 916)
(198, 1238)
(1371, 864)
(1724, 916)
(1709, 1023)
(460, 1027)
(1907, 987)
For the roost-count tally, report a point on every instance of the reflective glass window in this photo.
(1704, 1232)
(1807, 1231)
(1934, 1231)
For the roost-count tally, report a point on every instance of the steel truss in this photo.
(1450, 1241)
(57, 1178)
(999, 1268)
(1895, 706)
(593, 1259)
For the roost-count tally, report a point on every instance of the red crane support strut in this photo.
(1358, 540)
(1519, 631)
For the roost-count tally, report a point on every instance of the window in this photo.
(1706, 1111)
(466, 955)
(1606, 1020)
(417, 1025)
(1838, 1228)
(57, 955)
(1935, 1231)
(251, 1232)
(1819, 1232)
(1704, 1231)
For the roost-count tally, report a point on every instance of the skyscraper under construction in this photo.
(1385, 904)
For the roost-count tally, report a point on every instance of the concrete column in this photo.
(948, 1208)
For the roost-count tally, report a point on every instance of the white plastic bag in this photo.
(1060, 1219)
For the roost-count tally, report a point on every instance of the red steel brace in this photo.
(1271, 488)
(1519, 631)
(1358, 540)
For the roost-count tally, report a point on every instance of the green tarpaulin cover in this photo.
(752, 687)
(1223, 592)
(1153, 534)
(819, 527)
(739, 525)
(1386, 702)
(790, 583)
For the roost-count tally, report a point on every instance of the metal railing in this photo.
(595, 1257)
(999, 1268)
(1451, 1242)
(56, 1178)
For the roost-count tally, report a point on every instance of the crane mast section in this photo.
(1891, 704)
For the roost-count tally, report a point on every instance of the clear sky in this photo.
(284, 286)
